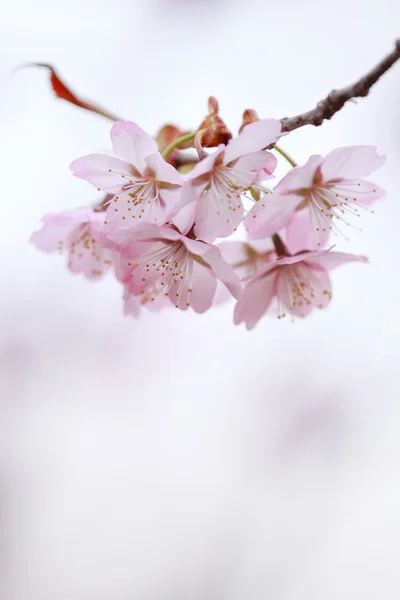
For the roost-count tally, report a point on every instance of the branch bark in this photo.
(326, 108)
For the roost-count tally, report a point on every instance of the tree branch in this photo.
(326, 108)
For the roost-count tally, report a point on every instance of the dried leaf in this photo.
(62, 91)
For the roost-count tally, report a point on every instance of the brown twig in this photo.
(326, 108)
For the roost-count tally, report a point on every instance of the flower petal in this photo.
(358, 191)
(164, 172)
(234, 252)
(351, 162)
(132, 144)
(184, 219)
(204, 287)
(87, 255)
(331, 260)
(171, 202)
(300, 177)
(206, 165)
(104, 172)
(254, 137)
(319, 227)
(124, 212)
(223, 271)
(58, 228)
(316, 289)
(196, 247)
(299, 234)
(252, 169)
(131, 304)
(216, 216)
(51, 238)
(255, 301)
(270, 214)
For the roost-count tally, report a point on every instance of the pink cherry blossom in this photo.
(329, 189)
(145, 187)
(164, 261)
(78, 232)
(220, 179)
(299, 283)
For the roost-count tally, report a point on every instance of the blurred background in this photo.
(178, 457)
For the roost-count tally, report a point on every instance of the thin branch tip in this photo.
(336, 99)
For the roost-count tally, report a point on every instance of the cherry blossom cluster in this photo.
(170, 203)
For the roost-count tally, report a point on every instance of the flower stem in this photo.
(285, 155)
(176, 143)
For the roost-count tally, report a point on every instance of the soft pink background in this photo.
(179, 457)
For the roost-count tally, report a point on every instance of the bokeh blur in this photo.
(177, 456)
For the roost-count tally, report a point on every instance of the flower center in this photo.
(333, 202)
(167, 270)
(299, 287)
(141, 194)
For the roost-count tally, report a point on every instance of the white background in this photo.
(180, 457)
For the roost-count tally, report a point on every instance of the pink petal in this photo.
(171, 198)
(206, 165)
(190, 192)
(92, 260)
(58, 228)
(184, 219)
(318, 228)
(255, 301)
(169, 233)
(214, 217)
(104, 172)
(308, 256)
(51, 238)
(124, 257)
(222, 295)
(131, 304)
(299, 234)
(269, 167)
(254, 137)
(233, 252)
(122, 213)
(330, 260)
(252, 169)
(196, 247)
(358, 191)
(270, 214)
(132, 144)
(316, 292)
(164, 172)
(145, 231)
(351, 162)
(300, 177)
(223, 271)
(204, 287)
(74, 216)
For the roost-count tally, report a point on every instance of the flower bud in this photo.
(216, 130)
(249, 116)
